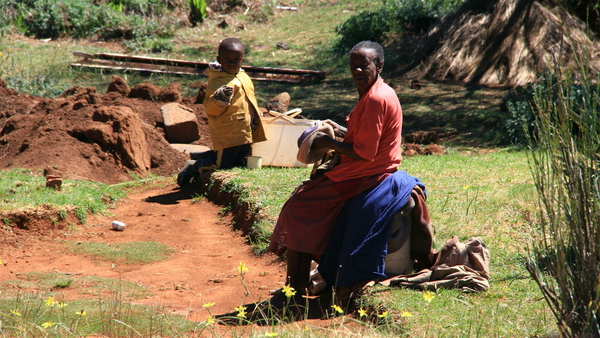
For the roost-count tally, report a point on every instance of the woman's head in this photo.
(231, 55)
(366, 63)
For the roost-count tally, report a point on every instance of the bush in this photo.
(46, 20)
(364, 26)
(391, 16)
(128, 19)
(520, 124)
(197, 11)
(565, 256)
(146, 8)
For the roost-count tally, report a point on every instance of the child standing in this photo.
(231, 107)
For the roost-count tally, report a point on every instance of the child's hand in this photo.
(224, 93)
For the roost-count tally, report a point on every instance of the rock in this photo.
(279, 103)
(282, 45)
(181, 124)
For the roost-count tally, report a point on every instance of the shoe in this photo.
(186, 174)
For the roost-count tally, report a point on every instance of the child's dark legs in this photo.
(233, 156)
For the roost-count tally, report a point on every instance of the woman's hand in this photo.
(323, 140)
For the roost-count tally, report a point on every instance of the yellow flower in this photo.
(49, 301)
(428, 296)
(271, 334)
(337, 308)
(241, 311)
(242, 268)
(288, 291)
(47, 324)
(406, 314)
(383, 314)
(466, 187)
(81, 313)
(61, 305)
(207, 305)
(210, 320)
(0, 54)
(15, 312)
(362, 312)
(1, 261)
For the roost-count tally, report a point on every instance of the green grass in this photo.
(24, 188)
(123, 253)
(37, 315)
(53, 283)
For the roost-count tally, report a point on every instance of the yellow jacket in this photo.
(230, 125)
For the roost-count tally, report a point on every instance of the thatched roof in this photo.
(502, 42)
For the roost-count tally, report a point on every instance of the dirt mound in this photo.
(89, 135)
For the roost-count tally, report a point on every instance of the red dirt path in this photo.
(205, 262)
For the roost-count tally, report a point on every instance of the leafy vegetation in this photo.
(392, 16)
(525, 106)
(565, 256)
(136, 21)
(197, 11)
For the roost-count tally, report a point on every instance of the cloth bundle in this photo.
(458, 265)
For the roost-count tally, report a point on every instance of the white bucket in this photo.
(281, 147)
(254, 162)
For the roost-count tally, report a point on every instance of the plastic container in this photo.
(254, 162)
(399, 262)
(119, 226)
(281, 147)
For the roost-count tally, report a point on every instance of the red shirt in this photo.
(375, 131)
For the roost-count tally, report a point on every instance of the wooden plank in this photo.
(150, 64)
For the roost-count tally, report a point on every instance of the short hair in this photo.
(230, 43)
(374, 46)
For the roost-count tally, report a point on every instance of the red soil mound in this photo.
(86, 134)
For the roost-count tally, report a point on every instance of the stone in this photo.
(181, 124)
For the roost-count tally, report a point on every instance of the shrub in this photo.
(565, 256)
(146, 8)
(46, 20)
(197, 11)
(391, 16)
(364, 26)
(520, 124)
(128, 19)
